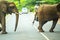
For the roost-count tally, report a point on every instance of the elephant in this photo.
(48, 12)
(7, 8)
(35, 18)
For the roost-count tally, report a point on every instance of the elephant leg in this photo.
(34, 18)
(53, 25)
(0, 29)
(3, 23)
(41, 25)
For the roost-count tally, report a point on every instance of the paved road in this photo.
(27, 31)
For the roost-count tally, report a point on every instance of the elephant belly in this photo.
(48, 18)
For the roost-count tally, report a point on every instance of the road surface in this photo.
(27, 31)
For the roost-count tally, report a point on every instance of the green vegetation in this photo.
(30, 3)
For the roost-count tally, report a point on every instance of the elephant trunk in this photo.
(17, 17)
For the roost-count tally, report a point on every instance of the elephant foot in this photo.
(40, 29)
(4, 32)
(51, 31)
(33, 22)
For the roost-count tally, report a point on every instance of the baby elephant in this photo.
(47, 13)
(35, 18)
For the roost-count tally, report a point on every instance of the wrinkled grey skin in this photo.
(7, 8)
(47, 13)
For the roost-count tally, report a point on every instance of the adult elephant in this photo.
(7, 8)
(46, 13)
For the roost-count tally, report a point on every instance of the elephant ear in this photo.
(58, 7)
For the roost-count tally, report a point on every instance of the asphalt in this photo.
(27, 31)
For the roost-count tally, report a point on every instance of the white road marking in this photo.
(42, 34)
